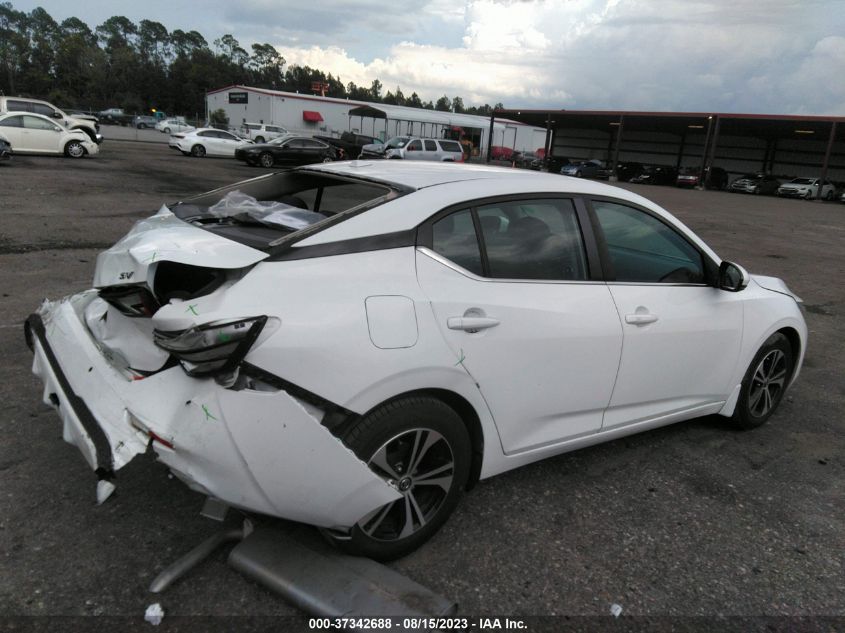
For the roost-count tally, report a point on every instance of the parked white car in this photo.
(354, 344)
(38, 134)
(84, 122)
(262, 132)
(806, 188)
(174, 124)
(209, 142)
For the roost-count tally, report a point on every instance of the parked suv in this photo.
(87, 124)
(427, 149)
(261, 132)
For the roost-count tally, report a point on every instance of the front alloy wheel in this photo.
(765, 382)
(197, 151)
(421, 448)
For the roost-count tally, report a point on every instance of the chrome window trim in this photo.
(466, 273)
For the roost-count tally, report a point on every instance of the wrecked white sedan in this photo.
(352, 345)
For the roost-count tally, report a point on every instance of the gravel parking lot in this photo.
(690, 520)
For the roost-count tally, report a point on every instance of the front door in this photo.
(681, 336)
(521, 316)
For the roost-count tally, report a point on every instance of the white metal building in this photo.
(331, 117)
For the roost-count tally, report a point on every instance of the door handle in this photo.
(471, 324)
(640, 318)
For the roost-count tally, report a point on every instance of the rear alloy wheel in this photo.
(259, 140)
(197, 151)
(167, 130)
(421, 448)
(266, 159)
(765, 382)
(75, 149)
(142, 126)
(577, 174)
(327, 159)
(828, 196)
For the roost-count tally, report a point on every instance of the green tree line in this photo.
(142, 66)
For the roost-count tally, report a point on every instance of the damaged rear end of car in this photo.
(156, 356)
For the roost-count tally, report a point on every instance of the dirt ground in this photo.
(691, 520)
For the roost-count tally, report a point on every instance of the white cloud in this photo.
(632, 54)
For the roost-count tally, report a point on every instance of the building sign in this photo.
(238, 97)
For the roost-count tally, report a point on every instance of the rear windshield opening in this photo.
(281, 208)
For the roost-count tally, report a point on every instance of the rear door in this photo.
(523, 315)
(681, 335)
(414, 150)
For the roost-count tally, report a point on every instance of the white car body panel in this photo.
(164, 237)
(202, 421)
(683, 360)
(48, 141)
(357, 329)
(561, 341)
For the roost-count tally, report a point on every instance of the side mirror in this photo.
(56, 115)
(732, 277)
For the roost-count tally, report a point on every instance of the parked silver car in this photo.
(428, 149)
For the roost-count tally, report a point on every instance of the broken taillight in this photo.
(133, 301)
(212, 348)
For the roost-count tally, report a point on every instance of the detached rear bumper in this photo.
(258, 450)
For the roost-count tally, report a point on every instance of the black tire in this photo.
(828, 196)
(259, 140)
(266, 159)
(577, 174)
(394, 431)
(142, 126)
(327, 159)
(167, 130)
(198, 151)
(765, 382)
(74, 149)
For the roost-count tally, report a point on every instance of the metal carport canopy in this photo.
(766, 126)
(420, 115)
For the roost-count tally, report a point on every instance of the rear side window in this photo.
(12, 121)
(522, 239)
(14, 105)
(451, 146)
(454, 237)
(644, 249)
(533, 239)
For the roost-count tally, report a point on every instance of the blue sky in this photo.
(779, 56)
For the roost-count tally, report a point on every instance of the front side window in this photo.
(644, 249)
(454, 237)
(34, 123)
(40, 108)
(414, 146)
(430, 146)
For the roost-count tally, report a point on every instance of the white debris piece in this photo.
(154, 614)
(615, 610)
(104, 490)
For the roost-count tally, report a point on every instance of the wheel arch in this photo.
(794, 339)
(469, 416)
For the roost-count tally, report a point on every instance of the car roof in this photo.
(423, 174)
